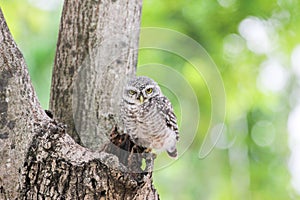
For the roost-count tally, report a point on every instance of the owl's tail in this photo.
(173, 154)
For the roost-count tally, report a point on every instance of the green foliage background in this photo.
(253, 161)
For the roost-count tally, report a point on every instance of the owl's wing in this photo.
(166, 110)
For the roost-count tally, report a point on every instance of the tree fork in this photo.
(39, 158)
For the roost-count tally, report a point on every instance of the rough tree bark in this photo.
(96, 52)
(38, 157)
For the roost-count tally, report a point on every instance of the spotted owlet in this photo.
(148, 116)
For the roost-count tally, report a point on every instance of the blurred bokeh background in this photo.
(256, 48)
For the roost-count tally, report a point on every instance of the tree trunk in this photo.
(96, 52)
(38, 158)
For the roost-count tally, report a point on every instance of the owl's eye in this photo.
(131, 92)
(149, 90)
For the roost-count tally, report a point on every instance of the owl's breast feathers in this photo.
(166, 110)
(156, 115)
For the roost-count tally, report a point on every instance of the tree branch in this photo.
(96, 52)
(19, 111)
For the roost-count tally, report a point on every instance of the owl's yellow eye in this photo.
(131, 92)
(149, 90)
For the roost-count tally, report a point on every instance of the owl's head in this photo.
(140, 90)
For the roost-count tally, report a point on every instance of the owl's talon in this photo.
(149, 160)
(148, 150)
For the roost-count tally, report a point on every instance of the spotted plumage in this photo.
(148, 116)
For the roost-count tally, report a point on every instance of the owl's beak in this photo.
(141, 99)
